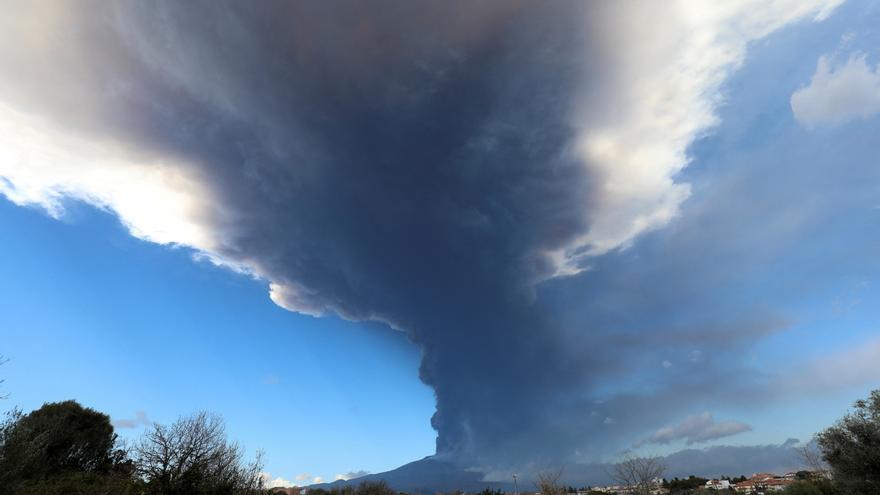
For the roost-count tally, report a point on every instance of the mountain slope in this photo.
(427, 476)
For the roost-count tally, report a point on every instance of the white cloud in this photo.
(657, 91)
(837, 95)
(278, 482)
(351, 475)
(660, 94)
(696, 429)
(308, 479)
(158, 200)
(666, 363)
(294, 297)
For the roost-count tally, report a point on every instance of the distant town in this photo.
(756, 484)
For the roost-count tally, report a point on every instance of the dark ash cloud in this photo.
(417, 164)
(402, 163)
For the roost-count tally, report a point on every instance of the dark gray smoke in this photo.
(397, 161)
(414, 163)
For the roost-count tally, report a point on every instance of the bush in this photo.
(65, 448)
(852, 448)
(81, 484)
(60, 442)
(818, 487)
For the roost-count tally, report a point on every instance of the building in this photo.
(717, 484)
(763, 483)
(656, 489)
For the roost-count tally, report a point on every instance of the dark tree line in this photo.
(364, 488)
(65, 448)
(58, 446)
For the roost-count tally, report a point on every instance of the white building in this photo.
(717, 485)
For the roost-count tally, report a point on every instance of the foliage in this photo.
(66, 448)
(374, 488)
(813, 458)
(851, 447)
(802, 488)
(690, 483)
(817, 487)
(364, 488)
(54, 441)
(73, 483)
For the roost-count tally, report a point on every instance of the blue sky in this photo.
(122, 326)
(511, 237)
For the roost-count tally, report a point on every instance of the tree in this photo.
(814, 487)
(686, 485)
(643, 474)
(379, 487)
(851, 447)
(548, 483)
(813, 458)
(54, 441)
(8, 469)
(803, 488)
(374, 488)
(193, 456)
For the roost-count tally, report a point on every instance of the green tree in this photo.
(685, 485)
(852, 448)
(812, 487)
(374, 488)
(54, 441)
(379, 487)
(803, 488)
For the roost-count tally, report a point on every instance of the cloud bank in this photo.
(351, 475)
(837, 95)
(435, 167)
(698, 428)
(277, 482)
(666, 87)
